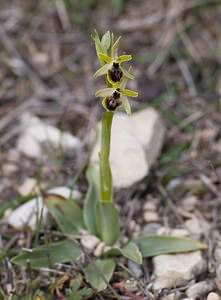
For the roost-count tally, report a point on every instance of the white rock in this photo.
(172, 296)
(65, 192)
(27, 187)
(9, 168)
(135, 144)
(27, 214)
(178, 269)
(189, 203)
(199, 289)
(150, 216)
(35, 133)
(213, 296)
(173, 232)
(150, 205)
(196, 227)
(99, 249)
(89, 241)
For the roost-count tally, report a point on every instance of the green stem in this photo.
(106, 186)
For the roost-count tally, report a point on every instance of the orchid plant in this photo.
(99, 216)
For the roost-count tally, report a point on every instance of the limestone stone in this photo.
(176, 270)
(213, 296)
(199, 289)
(36, 135)
(135, 145)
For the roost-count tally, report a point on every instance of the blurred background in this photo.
(47, 62)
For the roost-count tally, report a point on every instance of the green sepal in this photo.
(102, 71)
(126, 104)
(108, 224)
(106, 40)
(124, 80)
(126, 73)
(99, 47)
(104, 92)
(114, 49)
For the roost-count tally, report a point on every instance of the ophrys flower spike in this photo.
(115, 95)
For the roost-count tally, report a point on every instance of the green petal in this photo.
(126, 104)
(129, 93)
(114, 49)
(106, 58)
(102, 71)
(105, 92)
(123, 58)
(126, 73)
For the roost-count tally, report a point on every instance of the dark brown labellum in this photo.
(115, 73)
(113, 102)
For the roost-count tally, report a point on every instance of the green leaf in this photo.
(129, 93)
(102, 71)
(123, 58)
(48, 255)
(105, 92)
(152, 245)
(106, 267)
(114, 49)
(91, 200)
(130, 251)
(108, 225)
(106, 58)
(106, 40)
(67, 214)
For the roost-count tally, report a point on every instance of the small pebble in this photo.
(172, 232)
(213, 296)
(195, 228)
(149, 205)
(218, 271)
(9, 169)
(151, 216)
(27, 187)
(135, 268)
(131, 285)
(199, 289)
(172, 296)
(218, 255)
(150, 228)
(99, 249)
(188, 204)
(89, 241)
